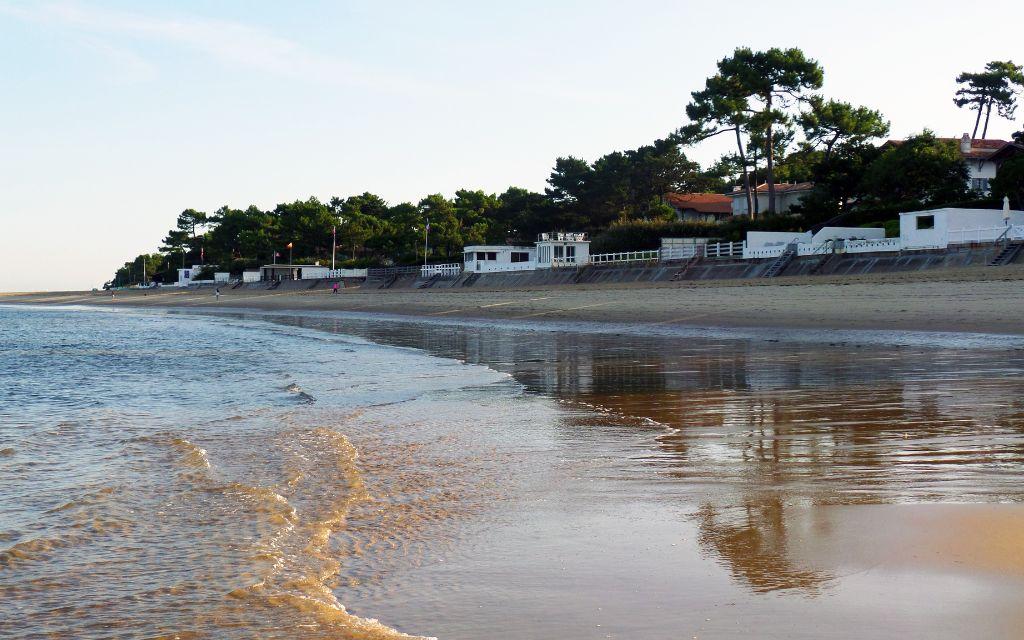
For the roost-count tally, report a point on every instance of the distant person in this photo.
(216, 292)
(334, 289)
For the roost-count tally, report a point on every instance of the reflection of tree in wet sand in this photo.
(752, 540)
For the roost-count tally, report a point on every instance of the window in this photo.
(480, 255)
(467, 257)
(492, 255)
(520, 256)
(544, 254)
(559, 251)
(925, 222)
(570, 251)
(979, 184)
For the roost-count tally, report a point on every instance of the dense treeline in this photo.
(763, 100)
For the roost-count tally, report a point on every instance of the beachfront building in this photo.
(280, 272)
(787, 194)
(187, 275)
(480, 258)
(940, 228)
(700, 207)
(560, 249)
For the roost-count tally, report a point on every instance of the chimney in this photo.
(965, 144)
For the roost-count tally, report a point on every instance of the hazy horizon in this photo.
(117, 117)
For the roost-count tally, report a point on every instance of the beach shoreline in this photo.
(972, 300)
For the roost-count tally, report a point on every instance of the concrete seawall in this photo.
(709, 269)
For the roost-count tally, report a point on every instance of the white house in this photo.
(939, 228)
(562, 249)
(277, 272)
(187, 275)
(481, 258)
(787, 194)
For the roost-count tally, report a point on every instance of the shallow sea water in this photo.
(172, 475)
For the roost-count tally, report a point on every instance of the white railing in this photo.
(346, 273)
(725, 250)
(443, 270)
(626, 256)
(681, 251)
(967, 236)
(1016, 232)
(564, 262)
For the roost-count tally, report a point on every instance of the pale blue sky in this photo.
(117, 115)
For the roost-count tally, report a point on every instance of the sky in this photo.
(117, 115)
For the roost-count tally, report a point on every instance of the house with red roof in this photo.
(700, 207)
(983, 158)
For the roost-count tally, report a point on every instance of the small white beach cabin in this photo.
(480, 258)
(188, 274)
(562, 250)
(939, 228)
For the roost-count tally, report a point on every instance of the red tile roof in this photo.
(981, 149)
(701, 202)
(780, 187)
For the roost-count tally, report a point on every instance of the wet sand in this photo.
(980, 299)
(719, 486)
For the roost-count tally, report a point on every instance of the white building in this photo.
(481, 258)
(939, 228)
(187, 275)
(277, 272)
(787, 194)
(562, 250)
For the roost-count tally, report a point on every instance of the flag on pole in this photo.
(288, 246)
(277, 254)
(202, 254)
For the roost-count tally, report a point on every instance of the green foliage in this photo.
(921, 171)
(833, 125)
(996, 86)
(1009, 182)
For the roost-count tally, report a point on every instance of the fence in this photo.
(681, 251)
(627, 256)
(968, 236)
(443, 270)
(725, 250)
(346, 273)
(384, 272)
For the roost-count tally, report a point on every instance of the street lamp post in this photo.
(426, 233)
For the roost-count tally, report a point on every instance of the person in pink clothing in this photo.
(335, 288)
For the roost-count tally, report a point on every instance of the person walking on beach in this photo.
(216, 292)
(334, 289)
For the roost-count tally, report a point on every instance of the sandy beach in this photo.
(976, 300)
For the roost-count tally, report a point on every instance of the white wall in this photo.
(848, 233)
(954, 226)
(765, 239)
(250, 276)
